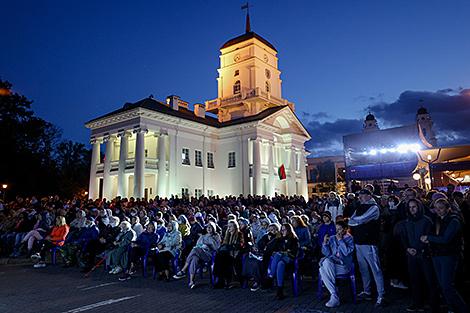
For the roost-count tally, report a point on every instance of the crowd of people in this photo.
(408, 239)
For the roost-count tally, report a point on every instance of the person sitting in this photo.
(55, 239)
(202, 252)
(228, 251)
(147, 240)
(168, 248)
(327, 228)
(39, 231)
(136, 225)
(116, 258)
(73, 247)
(334, 205)
(286, 250)
(257, 263)
(337, 260)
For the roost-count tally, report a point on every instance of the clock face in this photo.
(265, 58)
(268, 74)
(236, 58)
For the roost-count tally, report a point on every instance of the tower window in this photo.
(231, 159)
(237, 72)
(185, 156)
(268, 87)
(198, 158)
(236, 87)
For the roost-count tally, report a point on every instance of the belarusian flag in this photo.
(281, 172)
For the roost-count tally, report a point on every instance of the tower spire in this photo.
(246, 7)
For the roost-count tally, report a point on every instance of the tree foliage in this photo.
(34, 160)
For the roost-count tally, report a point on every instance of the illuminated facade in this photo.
(163, 148)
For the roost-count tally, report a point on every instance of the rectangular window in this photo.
(146, 153)
(210, 160)
(197, 193)
(297, 162)
(237, 72)
(210, 192)
(185, 157)
(198, 158)
(231, 159)
(184, 192)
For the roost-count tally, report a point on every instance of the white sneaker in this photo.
(112, 270)
(117, 270)
(398, 284)
(39, 265)
(333, 302)
(35, 257)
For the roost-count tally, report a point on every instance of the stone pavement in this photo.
(54, 289)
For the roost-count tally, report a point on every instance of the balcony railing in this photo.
(245, 95)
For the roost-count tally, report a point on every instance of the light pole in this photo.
(4, 187)
(430, 161)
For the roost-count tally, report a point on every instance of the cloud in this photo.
(449, 109)
(327, 137)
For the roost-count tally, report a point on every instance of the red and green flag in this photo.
(281, 172)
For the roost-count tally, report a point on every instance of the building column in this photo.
(139, 163)
(292, 178)
(162, 182)
(93, 188)
(107, 181)
(257, 183)
(123, 153)
(270, 191)
(303, 176)
(172, 164)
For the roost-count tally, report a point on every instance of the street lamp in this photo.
(4, 187)
(430, 161)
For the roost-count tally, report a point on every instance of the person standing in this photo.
(365, 228)
(419, 260)
(446, 248)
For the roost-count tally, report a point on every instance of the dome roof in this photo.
(247, 36)
(370, 117)
(422, 110)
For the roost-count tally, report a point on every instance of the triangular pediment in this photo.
(286, 122)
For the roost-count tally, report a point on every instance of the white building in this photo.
(153, 148)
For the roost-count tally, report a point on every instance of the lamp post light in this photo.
(430, 161)
(4, 187)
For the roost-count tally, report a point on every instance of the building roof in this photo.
(422, 110)
(370, 117)
(157, 106)
(247, 36)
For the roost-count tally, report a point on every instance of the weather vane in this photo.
(246, 7)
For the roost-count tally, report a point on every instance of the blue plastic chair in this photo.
(174, 263)
(296, 278)
(351, 276)
(209, 265)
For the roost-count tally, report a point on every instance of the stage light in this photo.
(416, 176)
(373, 152)
(427, 180)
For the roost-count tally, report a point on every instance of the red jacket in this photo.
(58, 234)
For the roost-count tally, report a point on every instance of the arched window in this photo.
(236, 87)
(268, 87)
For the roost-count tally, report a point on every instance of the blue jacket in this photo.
(87, 234)
(147, 240)
(339, 251)
(305, 239)
(324, 229)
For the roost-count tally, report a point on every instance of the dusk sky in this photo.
(78, 60)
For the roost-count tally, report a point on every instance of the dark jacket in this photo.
(365, 224)
(290, 246)
(446, 238)
(414, 227)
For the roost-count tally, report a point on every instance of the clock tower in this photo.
(249, 79)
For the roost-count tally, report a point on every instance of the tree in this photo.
(32, 158)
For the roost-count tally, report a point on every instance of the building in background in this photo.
(325, 174)
(385, 155)
(163, 148)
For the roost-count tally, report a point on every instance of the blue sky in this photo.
(81, 59)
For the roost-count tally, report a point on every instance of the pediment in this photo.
(285, 121)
